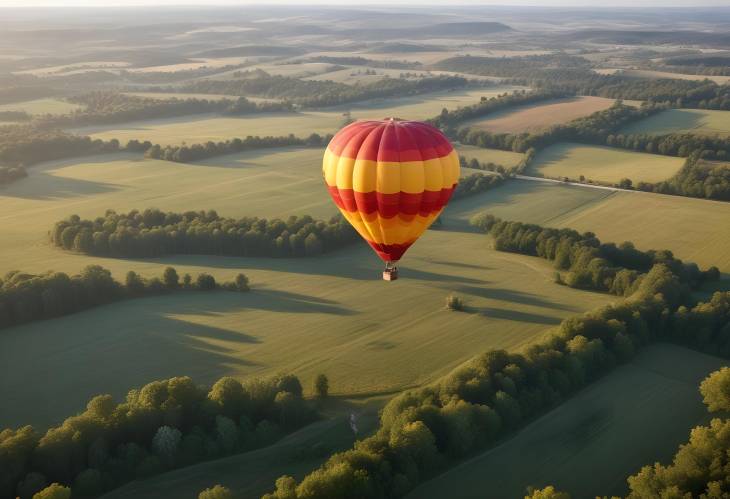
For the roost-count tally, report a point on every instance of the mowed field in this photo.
(542, 115)
(697, 121)
(197, 129)
(696, 230)
(604, 164)
(331, 314)
(635, 416)
(42, 106)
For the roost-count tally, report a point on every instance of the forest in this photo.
(111, 107)
(27, 297)
(164, 425)
(154, 233)
(589, 263)
(315, 93)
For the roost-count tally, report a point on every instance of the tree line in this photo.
(574, 74)
(196, 152)
(697, 178)
(475, 164)
(510, 67)
(362, 61)
(422, 431)
(155, 233)
(24, 145)
(476, 183)
(699, 468)
(161, 426)
(316, 93)
(589, 263)
(105, 107)
(29, 297)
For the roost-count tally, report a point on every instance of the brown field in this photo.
(535, 117)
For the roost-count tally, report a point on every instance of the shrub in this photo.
(454, 302)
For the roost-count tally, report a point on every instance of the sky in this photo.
(541, 3)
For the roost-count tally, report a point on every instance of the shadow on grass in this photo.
(518, 316)
(354, 262)
(43, 185)
(511, 295)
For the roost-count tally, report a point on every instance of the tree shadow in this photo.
(518, 316)
(47, 187)
(354, 262)
(43, 184)
(511, 295)
(458, 264)
(133, 342)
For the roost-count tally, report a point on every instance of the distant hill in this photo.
(404, 47)
(252, 50)
(636, 37)
(456, 29)
(475, 28)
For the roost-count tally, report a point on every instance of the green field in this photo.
(698, 121)
(601, 433)
(330, 314)
(42, 106)
(196, 129)
(696, 230)
(504, 158)
(603, 164)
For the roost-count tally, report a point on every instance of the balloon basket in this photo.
(390, 273)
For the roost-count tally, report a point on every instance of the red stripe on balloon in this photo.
(391, 141)
(390, 205)
(390, 252)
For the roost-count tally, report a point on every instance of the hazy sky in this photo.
(542, 3)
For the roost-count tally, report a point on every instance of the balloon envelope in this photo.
(390, 179)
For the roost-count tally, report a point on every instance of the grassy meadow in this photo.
(696, 121)
(604, 164)
(605, 423)
(538, 116)
(304, 316)
(202, 128)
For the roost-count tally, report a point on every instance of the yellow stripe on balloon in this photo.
(389, 177)
(389, 230)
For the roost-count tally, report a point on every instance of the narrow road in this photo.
(593, 186)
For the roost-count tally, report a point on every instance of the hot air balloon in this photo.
(390, 179)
